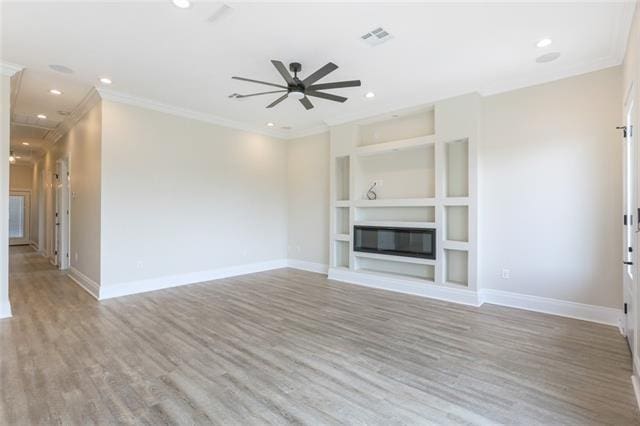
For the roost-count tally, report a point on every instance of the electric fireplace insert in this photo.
(410, 242)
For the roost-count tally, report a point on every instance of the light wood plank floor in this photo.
(286, 347)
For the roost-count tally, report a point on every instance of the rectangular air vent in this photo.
(376, 37)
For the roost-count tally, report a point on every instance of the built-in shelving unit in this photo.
(422, 166)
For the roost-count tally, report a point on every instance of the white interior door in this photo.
(62, 223)
(19, 206)
(631, 225)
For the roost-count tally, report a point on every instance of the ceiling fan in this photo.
(301, 89)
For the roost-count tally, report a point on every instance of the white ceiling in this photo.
(31, 97)
(158, 52)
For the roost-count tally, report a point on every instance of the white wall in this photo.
(550, 190)
(308, 198)
(5, 93)
(181, 196)
(82, 146)
(20, 176)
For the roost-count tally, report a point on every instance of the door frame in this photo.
(62, 191)
(631, 219)
(26, 238)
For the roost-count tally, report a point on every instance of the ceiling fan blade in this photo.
(259, 82)
(283, 71)
(261, 93)
(306, 102)
(277, 101)
(335, 85)
(330, 67)
(328, 96)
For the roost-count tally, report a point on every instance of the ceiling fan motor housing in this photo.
(295, 67)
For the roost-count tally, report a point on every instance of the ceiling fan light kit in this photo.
(301, 89)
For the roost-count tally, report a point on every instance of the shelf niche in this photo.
(342, 178)
(457, 220)
(407, 126)
(457, 168)
(341, 254)
(457, 267)
(404, 174)
(342, 220)
(409, 270)
(396, 214)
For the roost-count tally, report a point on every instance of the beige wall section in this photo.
(182, 196)
(5, 93)
(550, 190)
(308, 198)
(82, 145)
(21, 177)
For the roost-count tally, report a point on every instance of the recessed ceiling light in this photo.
(182, 4)
(42, 116)
(18, 157)
(370, 95)
(25, 143)
(547, 57)
(270, 124)
(105, 80)
(55, 92)
(544, 42)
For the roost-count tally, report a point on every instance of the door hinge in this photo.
(55, 252)
(625, 308)
(624, 130)
(627, 219)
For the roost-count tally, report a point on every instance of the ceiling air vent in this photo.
(376, 37)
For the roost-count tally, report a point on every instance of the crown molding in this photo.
(124, 98)
(302, 133)
(8, 69)
(89, 101)
(506, 85)
(620, 32)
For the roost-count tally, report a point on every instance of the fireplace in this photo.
(410, 242)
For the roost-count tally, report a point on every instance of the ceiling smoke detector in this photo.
(547, 57)
(376, 37)
(61, 68)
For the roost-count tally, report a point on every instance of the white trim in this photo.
(8, 69)
(124, 98)
(407, 286)
(87, 284)
(152, 284)
(302, 133)
(5, 310)
(91, 99)
(564, 308)
(303, 265)
(636, 388)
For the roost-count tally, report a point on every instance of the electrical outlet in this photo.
(75, 257)
(506, 274)
(139, 264)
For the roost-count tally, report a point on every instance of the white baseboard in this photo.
(5, 309)
(90, 286)
(143, 286)
(635, 381)
(449, 294)
(593, 313)
(303, 265)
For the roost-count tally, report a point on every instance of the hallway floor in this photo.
(286, 347)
